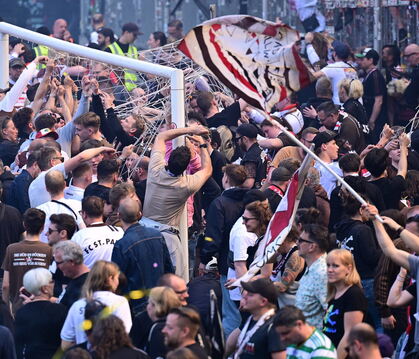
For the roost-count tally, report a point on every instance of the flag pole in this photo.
(322, 163)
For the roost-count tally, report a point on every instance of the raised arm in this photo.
(410, 239)
(397, 297)
(404, 143)
(389, 249)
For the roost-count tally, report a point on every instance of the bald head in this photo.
(129, 210)
(54, 183)
(411, 54)
(59, 28)
(363, 333)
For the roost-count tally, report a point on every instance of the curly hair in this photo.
(108, 335)
(346, 259)
(262, 213)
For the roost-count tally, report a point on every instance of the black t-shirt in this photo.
(355, 108)
(59, 281)
(392, 189)
(274, 195)
(351, 301)
(155, 347)
(263, 342)
(141, 325)
(73, 290)
(96, 189)
(375, 85)
(227, 117)
(37, 329)
(198, 351)
(11, 228)
(255, 167)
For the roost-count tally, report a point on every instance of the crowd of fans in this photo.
(92, 260)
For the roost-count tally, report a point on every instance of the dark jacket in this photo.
(358, 238)
(222, 214)
(142, 255)
(18, 196)
(6, 178)
(8, 151)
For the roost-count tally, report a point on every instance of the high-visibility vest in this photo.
(130, 77)
(41, 50)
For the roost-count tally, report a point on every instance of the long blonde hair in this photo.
(353, 88)
(164, 299)
(98, 278)
(353, 278)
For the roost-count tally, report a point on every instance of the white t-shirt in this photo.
(73, 192)
(37, 191)
(72, 330)
(336, 72)
(97, 242)
(327, 180)
(56, 208)
(240, 240)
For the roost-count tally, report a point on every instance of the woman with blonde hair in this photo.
(350, 91)
(101, 284)
(160, 302)
(347, 304)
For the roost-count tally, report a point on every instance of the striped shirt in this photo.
(317, 346)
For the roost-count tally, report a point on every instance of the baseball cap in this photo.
(323, 137)
(262, 286)
(281, 174)
(248, 130)
(369, 53)
(212, 265)
(341, 49)
(253, 195)
(16, 62)
(46, 132)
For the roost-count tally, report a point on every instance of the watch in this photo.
(203, 145)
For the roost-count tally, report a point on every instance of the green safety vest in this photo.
(41, 50)
(130, 77)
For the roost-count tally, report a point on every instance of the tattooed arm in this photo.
(293, 267)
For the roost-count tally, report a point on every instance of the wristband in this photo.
(203, 145)
(399, 231)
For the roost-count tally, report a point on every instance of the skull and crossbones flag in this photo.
(256, 59)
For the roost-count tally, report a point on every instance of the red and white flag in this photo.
(280, 224)
(254, 58)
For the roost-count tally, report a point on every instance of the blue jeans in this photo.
(231, 315)
(368, 285)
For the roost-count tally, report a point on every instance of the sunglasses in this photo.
(301, 240)
(247, 219)
(414, 218)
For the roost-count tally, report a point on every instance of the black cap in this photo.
(262, 286)
(248, 130)
(323, 137)
(281, 174)
(253, 195)
(16, 61)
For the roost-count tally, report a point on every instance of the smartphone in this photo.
(25, 292)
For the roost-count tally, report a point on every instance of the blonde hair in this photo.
(164, 300)
(353, 278)
(353, 88)
(98, 278)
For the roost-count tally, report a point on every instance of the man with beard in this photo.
(182, 325)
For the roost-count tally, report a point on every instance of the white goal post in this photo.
(176, 77)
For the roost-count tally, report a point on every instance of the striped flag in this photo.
(280, 224)
(254, 58)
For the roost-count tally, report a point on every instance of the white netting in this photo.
(151, 97)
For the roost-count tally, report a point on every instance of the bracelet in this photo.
(399, 231)
(400, 278)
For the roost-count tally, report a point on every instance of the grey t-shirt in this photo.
(414, 271)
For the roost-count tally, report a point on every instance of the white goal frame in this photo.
(177, 93)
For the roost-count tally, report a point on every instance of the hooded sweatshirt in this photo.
(222, 214)
(359, 239)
